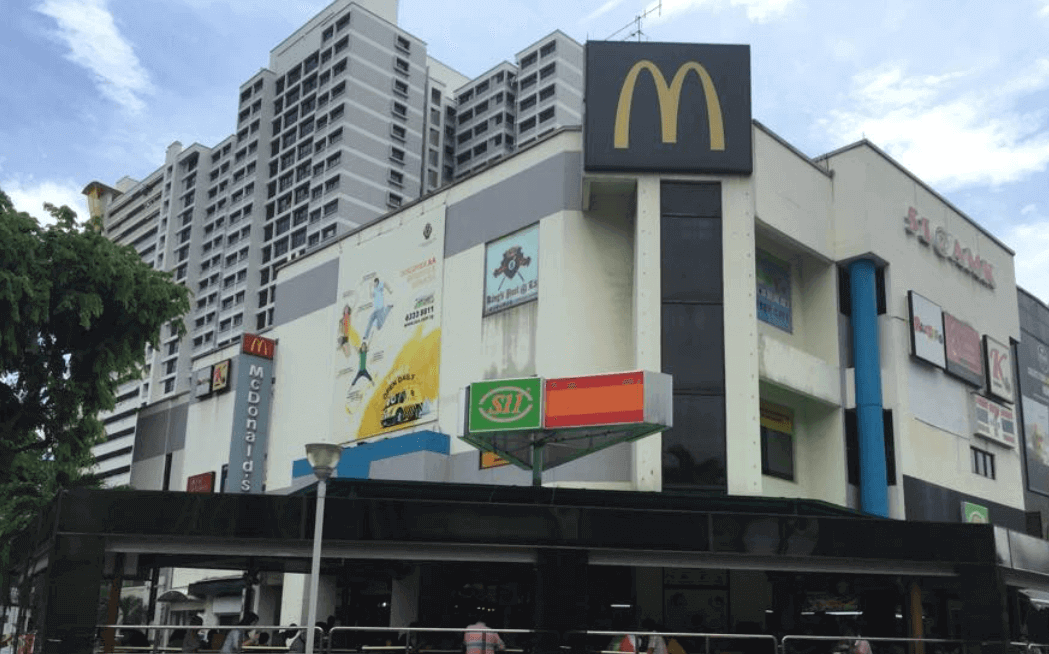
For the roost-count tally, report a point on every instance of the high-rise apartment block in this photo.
(350, 120)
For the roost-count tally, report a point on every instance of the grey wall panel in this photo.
(305, 293)
(160, 431)
(938, 399)
(553, 185)
(612, 464)
(414, 466)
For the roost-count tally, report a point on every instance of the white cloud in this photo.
(30, 195)
(1044, 11)
(600, 11)
(952, 130)
(1030, 240)
(95, 43)
(758, 11)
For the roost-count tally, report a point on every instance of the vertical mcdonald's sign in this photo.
(668, 107)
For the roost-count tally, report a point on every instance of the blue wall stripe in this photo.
(356, 461)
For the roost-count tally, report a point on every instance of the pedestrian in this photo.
(191, 641)
(655, 642)
(237, 638)
(479, 639)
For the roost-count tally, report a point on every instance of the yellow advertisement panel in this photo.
(387, 334)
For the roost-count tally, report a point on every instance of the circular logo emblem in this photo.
(427, 231)
(506, 404)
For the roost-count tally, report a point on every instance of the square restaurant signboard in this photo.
(926, 330)
(994, 421)
(999, 361)
(964, 359)
(667, 107)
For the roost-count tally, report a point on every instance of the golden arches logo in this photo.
(669, 97)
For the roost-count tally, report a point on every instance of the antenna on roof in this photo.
(635, 25)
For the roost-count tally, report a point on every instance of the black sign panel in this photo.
(668, 107)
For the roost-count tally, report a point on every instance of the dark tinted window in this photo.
(694, 346)
(691, 251)
(694, 448)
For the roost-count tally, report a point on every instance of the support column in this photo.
(984, 607)
(74, 578)
(648, 334)
(560, 599)
(866, 354)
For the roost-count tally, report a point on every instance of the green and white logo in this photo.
(505, 405)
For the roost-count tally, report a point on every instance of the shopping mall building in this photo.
(768, 388)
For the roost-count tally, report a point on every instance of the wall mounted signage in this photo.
(220, 376)
(668, 107)
(975, 513)
(506, 405)
(202, 483)
(492, 460)
(964, 359)
(202, 382)
(774, 291)
(1034, 368)
(927, 342)
(511, 274)
(999, 365)
(595, 400)
(386, 331)
(946, 246)
(994, 421)
(1036, 439)
(258, 346)
(251, 413)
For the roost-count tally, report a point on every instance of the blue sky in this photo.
(956, 91)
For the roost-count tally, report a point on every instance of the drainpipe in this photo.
(866, 355)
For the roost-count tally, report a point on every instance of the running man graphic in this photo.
(379, 307)
(362, 369)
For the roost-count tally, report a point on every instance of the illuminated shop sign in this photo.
(926, 330)
(964, 359)
(999, 363)
(251, 409)
(667, 107)
(202, 483)
(506, 405)
(946, 246)
(994, 421)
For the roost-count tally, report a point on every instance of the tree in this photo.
(76, 313)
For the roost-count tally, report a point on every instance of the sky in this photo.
(958, 92)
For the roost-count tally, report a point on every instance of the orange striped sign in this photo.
(595, 400)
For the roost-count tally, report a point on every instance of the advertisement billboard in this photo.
(774, 291)
(1033, 366)
(511, 272)
(667, 107)
(994, 421)
(926, 330)
(998, 359)
(963, 350)
(387, 334)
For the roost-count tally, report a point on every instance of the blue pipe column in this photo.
(866, 355)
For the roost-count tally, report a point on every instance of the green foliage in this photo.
(76, 313)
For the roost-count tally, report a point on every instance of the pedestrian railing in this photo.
(691, 642)
(166, 638)
(421, 640)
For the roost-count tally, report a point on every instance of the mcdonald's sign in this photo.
(258, 346)
(668, 107)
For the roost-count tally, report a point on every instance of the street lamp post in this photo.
(324, 457)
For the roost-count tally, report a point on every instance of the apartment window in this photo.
(548, 49)
(337, 113)
(546, 115)
(435, 116)
(435, 137)
(331, 184)
(401, 66)
(339, 67)
(398, 132)
(529, 59)
(431, 178)
(400, 110)
(334, 160)
(435, 96)
(397, 154)
(331, 207)
(396, 178)
(169, 385)
(528, 82)
(465, 116)
(342, 23)
(328, 34)
(335, 136)
(393, 200)
(528, 103)
(546, 71)
(982, 462)
(466, 97)
(400, 87)
(403, 44)
(546, 93)
(298, 238)
(777, 442)
(527, 124)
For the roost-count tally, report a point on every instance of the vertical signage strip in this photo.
(251, 414)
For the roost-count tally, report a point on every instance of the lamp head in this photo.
(324, 458)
